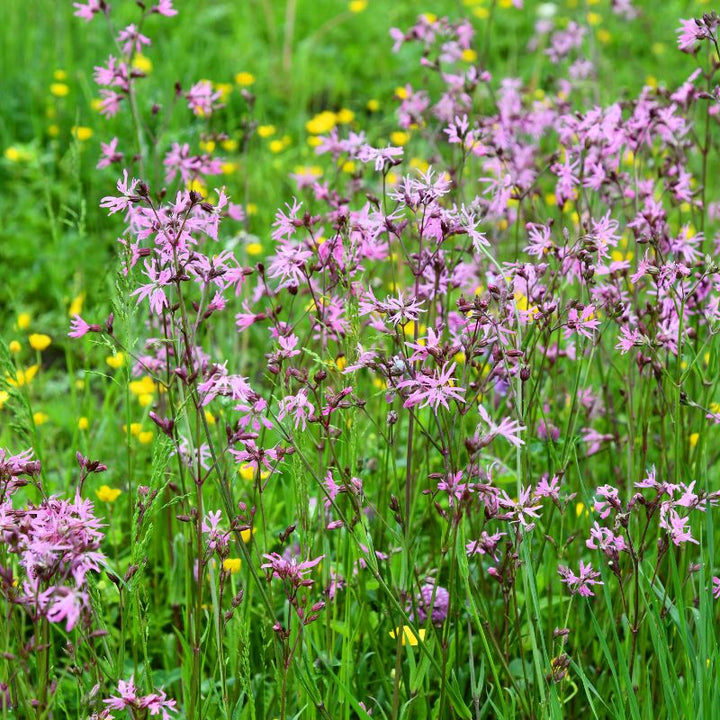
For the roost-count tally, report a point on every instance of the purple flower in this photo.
(433, 600)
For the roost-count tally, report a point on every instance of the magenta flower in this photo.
(291, 570)
(486, 545)
(584, 323)
(580, 584)
(128, 697)
(508, 428)
(298, 406)
(154, 289)
(78, 327)
(433, 389)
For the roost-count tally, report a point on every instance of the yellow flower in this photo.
(244, 79)
(251, 209)
(207, 145)
(247, 472)
(60, 75)
(345, 116)
(23, 321)
(83, 423)
(604, 36)
(322, 122)
(76, 305)
(408, 636)
(340, 362)
(96, 104)
(429, 17)
(4, 396)
(80, 384)
(481, 13)
(14, 346)
(39, 342)
(357, 6)
(135, 428)
(23, 377)
(115, 361)
(142, 63)
(228, 168)
(401, 93)
(232, 565)
(143, 386)
(694, 437)
(40, 418)
(146, 399)
(348, 167)
(245, 535)
(254, 249)
(229, 145)
(224, 89)
(419, 164)
(313, 141)
(145, 437)
(198, 186)
(108, 494)
(469, 55)
(399, 138)
(59, 89)
(209, 417)
(266, 131)
(277, 146)
(594, 18)
(373, 105)
(16, 154)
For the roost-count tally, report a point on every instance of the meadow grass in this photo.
(192, 610)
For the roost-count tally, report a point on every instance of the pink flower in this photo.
(154, 289)
(290, 570)
(115, 204)
(693, 30)
(128, 697)
(297, 405)
(584, 323)
(88, 10)
(164, 7)
(508, 428)
(433, 389)
(580, 584)
(201, 98)
(78, 327)
(110, 154)
(131, 40)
